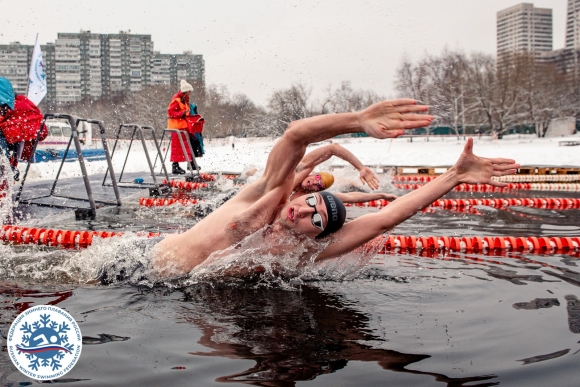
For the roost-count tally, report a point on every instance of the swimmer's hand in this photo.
(389, 197)
(471, 169)
(367, 176)
(387, 119)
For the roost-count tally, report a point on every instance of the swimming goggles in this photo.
(312, 201)
(319, 179)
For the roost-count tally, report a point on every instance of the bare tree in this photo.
(290, 105)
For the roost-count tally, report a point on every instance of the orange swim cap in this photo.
(327, 179)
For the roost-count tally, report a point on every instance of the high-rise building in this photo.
(101, 65)
(87, 65)
(573, 24)
(524, 28)
(14, 65)
(168, 69)
(189, 66)
(567, 59)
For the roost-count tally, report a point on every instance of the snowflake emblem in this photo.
(45, 343)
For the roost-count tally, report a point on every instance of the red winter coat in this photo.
(176, 112)
(22, 123)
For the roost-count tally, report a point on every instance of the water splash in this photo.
(124, 259)
(262, 258)
(6, 191)
(271, 260)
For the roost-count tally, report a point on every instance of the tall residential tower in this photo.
(524, 28)
(573, 25)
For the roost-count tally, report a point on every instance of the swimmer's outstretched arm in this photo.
(469, 169)
(320, 155)
(385, 119)
(359, 197)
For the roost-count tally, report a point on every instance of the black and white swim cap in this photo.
(336, 213)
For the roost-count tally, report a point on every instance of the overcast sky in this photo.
(257, 46)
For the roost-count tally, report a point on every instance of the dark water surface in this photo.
(403, 319)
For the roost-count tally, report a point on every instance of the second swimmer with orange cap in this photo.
(306, 182)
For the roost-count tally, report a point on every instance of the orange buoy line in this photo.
(547, 203)
(570, 187)
(507, 179)
(486, 244)
(537, 178)
(159, 202)
(541, 245)
(186, 185)
(68, 239)
(214, 177)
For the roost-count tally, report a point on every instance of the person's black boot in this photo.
(176, 170)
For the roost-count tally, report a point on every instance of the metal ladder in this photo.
(80, 213)
(155, 188)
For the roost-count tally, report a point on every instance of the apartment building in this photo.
(524, 28)
(567, 59)
(101, 65)
(168, 69)
(573, 24)
(88, 65)
(14, 64)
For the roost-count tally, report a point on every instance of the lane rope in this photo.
(506, 179)
(68, 239)
(71, 239)
(484, 244)
(571, 187)
(543, 203)
(159, 202)
(186, 185)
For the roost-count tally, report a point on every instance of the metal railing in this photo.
(80, 213)
(155, 188)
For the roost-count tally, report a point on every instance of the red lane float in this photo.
(68, 239)
(506, 179)
(214, 177)
(486, 244)
(511, 186)
(544, 203)
(537, 178)
(159, 202)
(186, 185)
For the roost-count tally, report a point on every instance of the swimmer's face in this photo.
(312, 183)
(306, 214)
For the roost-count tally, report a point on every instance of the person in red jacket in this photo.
(176, 112)
(20, 121)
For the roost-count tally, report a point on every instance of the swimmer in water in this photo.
(320, 214)
(307, 182)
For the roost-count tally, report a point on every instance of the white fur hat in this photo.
(185, 87)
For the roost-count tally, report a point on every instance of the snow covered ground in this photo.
(438, 151)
